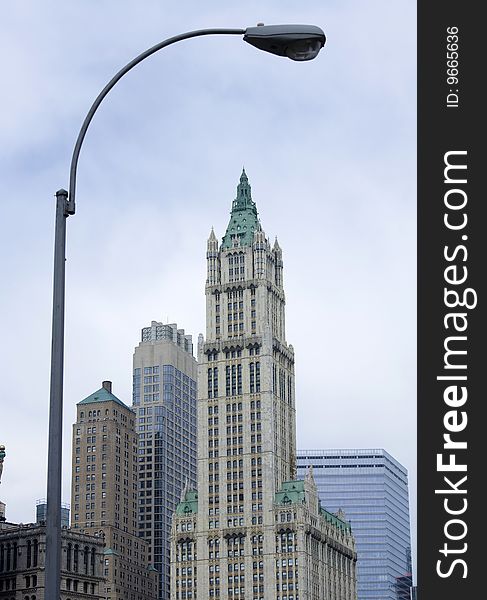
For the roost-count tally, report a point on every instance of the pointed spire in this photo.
(212, 245)
(341, 515)
(244, 196)
(243, 218)
(277, 248)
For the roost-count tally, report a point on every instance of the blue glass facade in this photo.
(41, 513)
(371, 487)
(164, 399)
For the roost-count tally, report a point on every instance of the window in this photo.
(69, 557)
(239, 379)
(215, 382)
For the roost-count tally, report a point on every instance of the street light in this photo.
(297, 42)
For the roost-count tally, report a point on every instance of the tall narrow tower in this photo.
(251, 530)
(164, 395)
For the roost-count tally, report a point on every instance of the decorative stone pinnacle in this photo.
(2, 457)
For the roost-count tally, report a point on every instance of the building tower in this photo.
(104, 492)
(251, 530)
(164, 400)
(372, 488)
(41, 513)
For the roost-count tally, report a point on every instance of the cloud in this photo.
(329, 147)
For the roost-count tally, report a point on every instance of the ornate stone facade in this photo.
(22, 563)
(252, 531)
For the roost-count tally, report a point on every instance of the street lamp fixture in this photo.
(297, 42)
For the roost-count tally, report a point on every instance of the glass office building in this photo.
(371, 487)
(41, 513)
(164, 400)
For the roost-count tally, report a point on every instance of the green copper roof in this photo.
(243, 218)
(189, 505)
(291, 492)
(110, 551)
(102, 395)
(331, 518)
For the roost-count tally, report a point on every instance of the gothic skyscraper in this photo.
(251, 530)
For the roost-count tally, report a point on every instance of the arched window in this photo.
(93, 561)
(29, 554)
(86, 558)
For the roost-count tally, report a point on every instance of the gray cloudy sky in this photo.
(329, 147)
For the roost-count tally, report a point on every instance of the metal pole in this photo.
(64, 208)
(54, 457)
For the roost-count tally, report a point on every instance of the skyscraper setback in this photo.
(251, 529)
(164, 399)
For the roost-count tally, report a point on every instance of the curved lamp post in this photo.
(297, 42)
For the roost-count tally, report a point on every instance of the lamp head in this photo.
(297, 42)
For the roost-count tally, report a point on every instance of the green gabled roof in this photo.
(189, 505)
(291, 492)
(102, 395)
(243, 218)
(331, 518)
(110, 551)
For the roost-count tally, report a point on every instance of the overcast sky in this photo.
(329, 147)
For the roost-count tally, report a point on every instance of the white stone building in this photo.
(252, 531)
